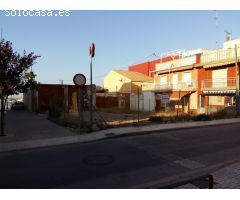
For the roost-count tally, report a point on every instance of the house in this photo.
(126, 84)
(123, 81)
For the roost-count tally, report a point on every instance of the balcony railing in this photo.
(219, 84)
(219, 56)
(176, 63)
(183, 86)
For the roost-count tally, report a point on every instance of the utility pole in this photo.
(92, 53)
(90, 105)
(237, 82)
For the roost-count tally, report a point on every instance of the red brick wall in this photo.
(203, 74)
(198, 58)
(146, 67)
(48, 94)
(106, 102)
(231, 72)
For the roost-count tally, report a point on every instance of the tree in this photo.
(14, 75)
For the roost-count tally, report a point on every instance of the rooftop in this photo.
(134, 76)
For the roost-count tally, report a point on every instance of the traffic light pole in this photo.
(90, 104)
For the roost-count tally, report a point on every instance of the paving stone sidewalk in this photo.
(226, 178)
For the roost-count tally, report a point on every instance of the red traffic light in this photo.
(92, 50)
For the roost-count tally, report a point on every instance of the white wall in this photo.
(134, 102)
(149, 101)
(146, 101)
(193, 100)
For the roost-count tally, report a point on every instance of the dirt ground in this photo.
(110, 119)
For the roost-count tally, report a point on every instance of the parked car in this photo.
(18, 106)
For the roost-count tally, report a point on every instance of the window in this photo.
(187, 77)
(216, 100)
(163, 80)
(175, 81)
(219, 78)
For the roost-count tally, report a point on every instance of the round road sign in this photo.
(79, 79)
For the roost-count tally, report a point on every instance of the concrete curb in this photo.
(165, 130)
(110, 134)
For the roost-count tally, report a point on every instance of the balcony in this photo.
(183, 86)
(176, 63)
(219, 56)
(219, 84)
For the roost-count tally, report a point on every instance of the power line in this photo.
(145, 58)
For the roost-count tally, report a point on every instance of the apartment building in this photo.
(178, 80)
(201, 81)
(217, 77)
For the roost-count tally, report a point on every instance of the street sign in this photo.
(92, 50)
(165, 98)
(79, 79)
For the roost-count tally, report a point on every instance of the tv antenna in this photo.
(228, 35)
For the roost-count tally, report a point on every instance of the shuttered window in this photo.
(187, 77)
(163, 80)
(219, 78)
(175, 81)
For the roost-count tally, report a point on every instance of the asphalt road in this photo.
(120, 162)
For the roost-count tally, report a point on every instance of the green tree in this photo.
(14, 75)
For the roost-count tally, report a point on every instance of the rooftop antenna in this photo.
(215, 17)
(228, 35)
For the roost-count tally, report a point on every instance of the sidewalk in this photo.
(227, 177)
(26, 130)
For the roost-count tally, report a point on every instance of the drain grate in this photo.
(98, 160)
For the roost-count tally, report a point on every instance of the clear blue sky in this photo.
(122, 38)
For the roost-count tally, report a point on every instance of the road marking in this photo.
(191, 164)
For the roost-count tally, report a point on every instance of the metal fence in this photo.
(219, 84)
(183, 86)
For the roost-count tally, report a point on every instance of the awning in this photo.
(175, 95)
(218, 92)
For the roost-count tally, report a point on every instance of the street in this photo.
(120, 162)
